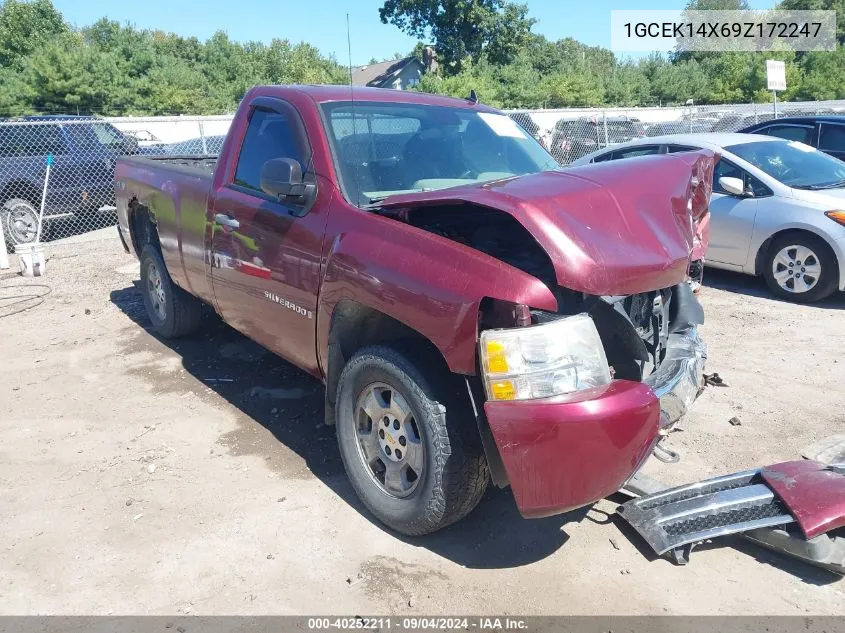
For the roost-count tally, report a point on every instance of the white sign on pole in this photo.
(775, 75)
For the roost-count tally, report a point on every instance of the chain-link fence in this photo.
(76, 189)
(78, 194)
(572, 133)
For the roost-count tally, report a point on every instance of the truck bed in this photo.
(175, 190)
(205, 163)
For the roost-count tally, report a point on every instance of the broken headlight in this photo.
(545, 360)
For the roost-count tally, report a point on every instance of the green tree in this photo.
(813, 5)
(65, 75)
(627, 85)
(823, 75)
(25, 27)
(717, 5)
(462, 29)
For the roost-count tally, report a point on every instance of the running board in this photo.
(674, 520)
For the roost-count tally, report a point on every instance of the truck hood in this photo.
(620, 227)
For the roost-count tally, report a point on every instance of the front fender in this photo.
(429, 283)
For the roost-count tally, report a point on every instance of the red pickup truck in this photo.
(475, 312)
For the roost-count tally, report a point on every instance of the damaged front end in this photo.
(577, 398)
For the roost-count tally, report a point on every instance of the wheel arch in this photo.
(21, 189)
(142, 227)
(763, 251)
(353, 326)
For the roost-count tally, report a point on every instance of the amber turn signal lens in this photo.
(836, 216)
(497, 362)
(503, 390)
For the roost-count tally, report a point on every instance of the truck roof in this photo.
(328, 93)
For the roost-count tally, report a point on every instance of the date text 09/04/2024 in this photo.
(418, 623)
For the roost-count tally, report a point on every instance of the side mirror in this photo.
(282, 178)
(733, 186)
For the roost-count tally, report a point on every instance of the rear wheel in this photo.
(801, 267)
(410, 449)
(20, 222)
(173, 311)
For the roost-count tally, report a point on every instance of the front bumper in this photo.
(680, 377)
(566, 452)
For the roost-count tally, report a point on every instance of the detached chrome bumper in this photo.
(680, 377)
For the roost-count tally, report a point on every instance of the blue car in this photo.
(84, 150)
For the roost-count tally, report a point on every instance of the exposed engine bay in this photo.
(634, 328)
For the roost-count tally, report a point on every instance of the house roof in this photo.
(377, 74)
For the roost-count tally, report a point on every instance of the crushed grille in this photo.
(730, 517)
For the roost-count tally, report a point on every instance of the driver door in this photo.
(265, 252)
(732, 217)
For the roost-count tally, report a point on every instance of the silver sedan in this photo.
(777, 210)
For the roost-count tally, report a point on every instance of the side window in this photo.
(832, 138)
(800, 133)
(31, 140)
(725, 168)
(674, 149)
(603, 158)
(757, 188)
(268, 135)
(640, 150)
(45, 139)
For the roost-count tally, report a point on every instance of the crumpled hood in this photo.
(620, 227)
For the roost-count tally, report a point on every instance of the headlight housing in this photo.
(545, 360)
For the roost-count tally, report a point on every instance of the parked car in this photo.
(776, 208)
(425, 258)
(677, 127)
(145, 138)
(574, 138)
(824, 132)
(200, 146)
(81, 176)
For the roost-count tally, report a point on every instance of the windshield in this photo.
(792, 163)
(87, 135)
(396, 147)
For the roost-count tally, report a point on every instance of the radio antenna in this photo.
(352, 107)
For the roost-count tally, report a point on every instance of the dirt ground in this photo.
(139, 476)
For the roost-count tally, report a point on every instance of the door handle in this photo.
(224, 219)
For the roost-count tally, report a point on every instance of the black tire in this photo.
(181, 313)
(455, 472)
(824, 285)
(26, 216)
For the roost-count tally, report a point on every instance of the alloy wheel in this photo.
(155, 289)
(796, 269)
(390, 442)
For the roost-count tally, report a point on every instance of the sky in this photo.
(322, 23)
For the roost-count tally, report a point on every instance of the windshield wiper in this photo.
(830, 185)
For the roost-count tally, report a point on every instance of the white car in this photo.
(777, 210)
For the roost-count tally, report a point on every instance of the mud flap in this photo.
(672, 521)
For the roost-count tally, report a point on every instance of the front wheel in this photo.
(801, 267)
(20, 222)
(411, 450)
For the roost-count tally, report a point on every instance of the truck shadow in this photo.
(287, 402)
(756, 287)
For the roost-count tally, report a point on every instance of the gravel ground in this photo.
(144, 477)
